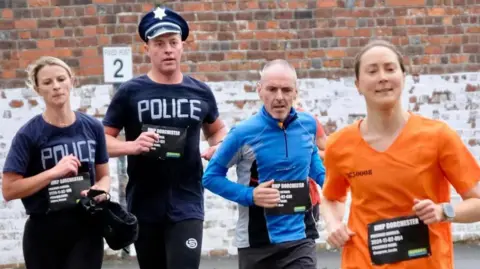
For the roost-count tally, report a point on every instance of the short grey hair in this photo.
(279, 62)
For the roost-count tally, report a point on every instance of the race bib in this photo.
(398, 239)
(171, 143)
(63, 193)
(294, 197)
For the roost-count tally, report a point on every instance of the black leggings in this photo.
(170, 246)
(62, 241)
(298, 254)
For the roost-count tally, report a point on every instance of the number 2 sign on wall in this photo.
(117, 64)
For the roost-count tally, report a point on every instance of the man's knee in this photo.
(184, 244)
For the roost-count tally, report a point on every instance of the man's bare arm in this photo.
(215, 132)
(115, 146)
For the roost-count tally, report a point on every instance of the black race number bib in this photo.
(398, 239)
(171, 143)
(294, 197)
(63, 193)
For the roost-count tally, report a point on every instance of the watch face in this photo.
(449, 211)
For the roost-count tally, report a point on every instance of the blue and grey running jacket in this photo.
(262, 148)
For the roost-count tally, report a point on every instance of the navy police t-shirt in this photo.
(168, 185)
(38, 146)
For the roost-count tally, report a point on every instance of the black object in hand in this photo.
(120, 227)
(94, 193)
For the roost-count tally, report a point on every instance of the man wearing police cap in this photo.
(162, 113)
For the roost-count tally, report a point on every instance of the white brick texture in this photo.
(454, 98)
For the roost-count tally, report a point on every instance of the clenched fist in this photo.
(428, 211)
(338, 234)
(67, 166)
(208, 153)
(266, 196)
(143, 143)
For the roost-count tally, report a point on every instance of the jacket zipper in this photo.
(284, 129)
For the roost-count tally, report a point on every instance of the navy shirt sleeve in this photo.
(18, 156)
(116, 114)
(101, 153)
(212, 108)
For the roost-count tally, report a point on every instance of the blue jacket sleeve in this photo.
(214, 178)
(317, 170)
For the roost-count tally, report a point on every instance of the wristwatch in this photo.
(448, 211)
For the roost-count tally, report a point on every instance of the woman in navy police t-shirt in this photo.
(54, 159)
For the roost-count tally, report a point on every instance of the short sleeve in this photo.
(457, 163)
(101, 153)
(116, 114)
(320, 131)
(336, 185)
(212, 114)
(18, 156)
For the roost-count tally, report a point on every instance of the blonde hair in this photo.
(32, 70)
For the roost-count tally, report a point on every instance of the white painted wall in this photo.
(336, 102)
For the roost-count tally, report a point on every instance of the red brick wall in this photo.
(231, 39)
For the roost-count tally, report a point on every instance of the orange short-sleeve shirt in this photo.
(422, 162)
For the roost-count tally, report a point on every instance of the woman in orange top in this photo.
(398, 167)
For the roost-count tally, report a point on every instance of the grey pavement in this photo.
(466, 257)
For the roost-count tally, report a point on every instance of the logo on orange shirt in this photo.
(359, 173)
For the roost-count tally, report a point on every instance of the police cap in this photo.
(162, 20)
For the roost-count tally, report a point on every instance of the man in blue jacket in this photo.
(275, 153)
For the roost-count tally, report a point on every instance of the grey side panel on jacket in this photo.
(244, 161)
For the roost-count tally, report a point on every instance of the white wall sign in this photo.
(117, 64)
